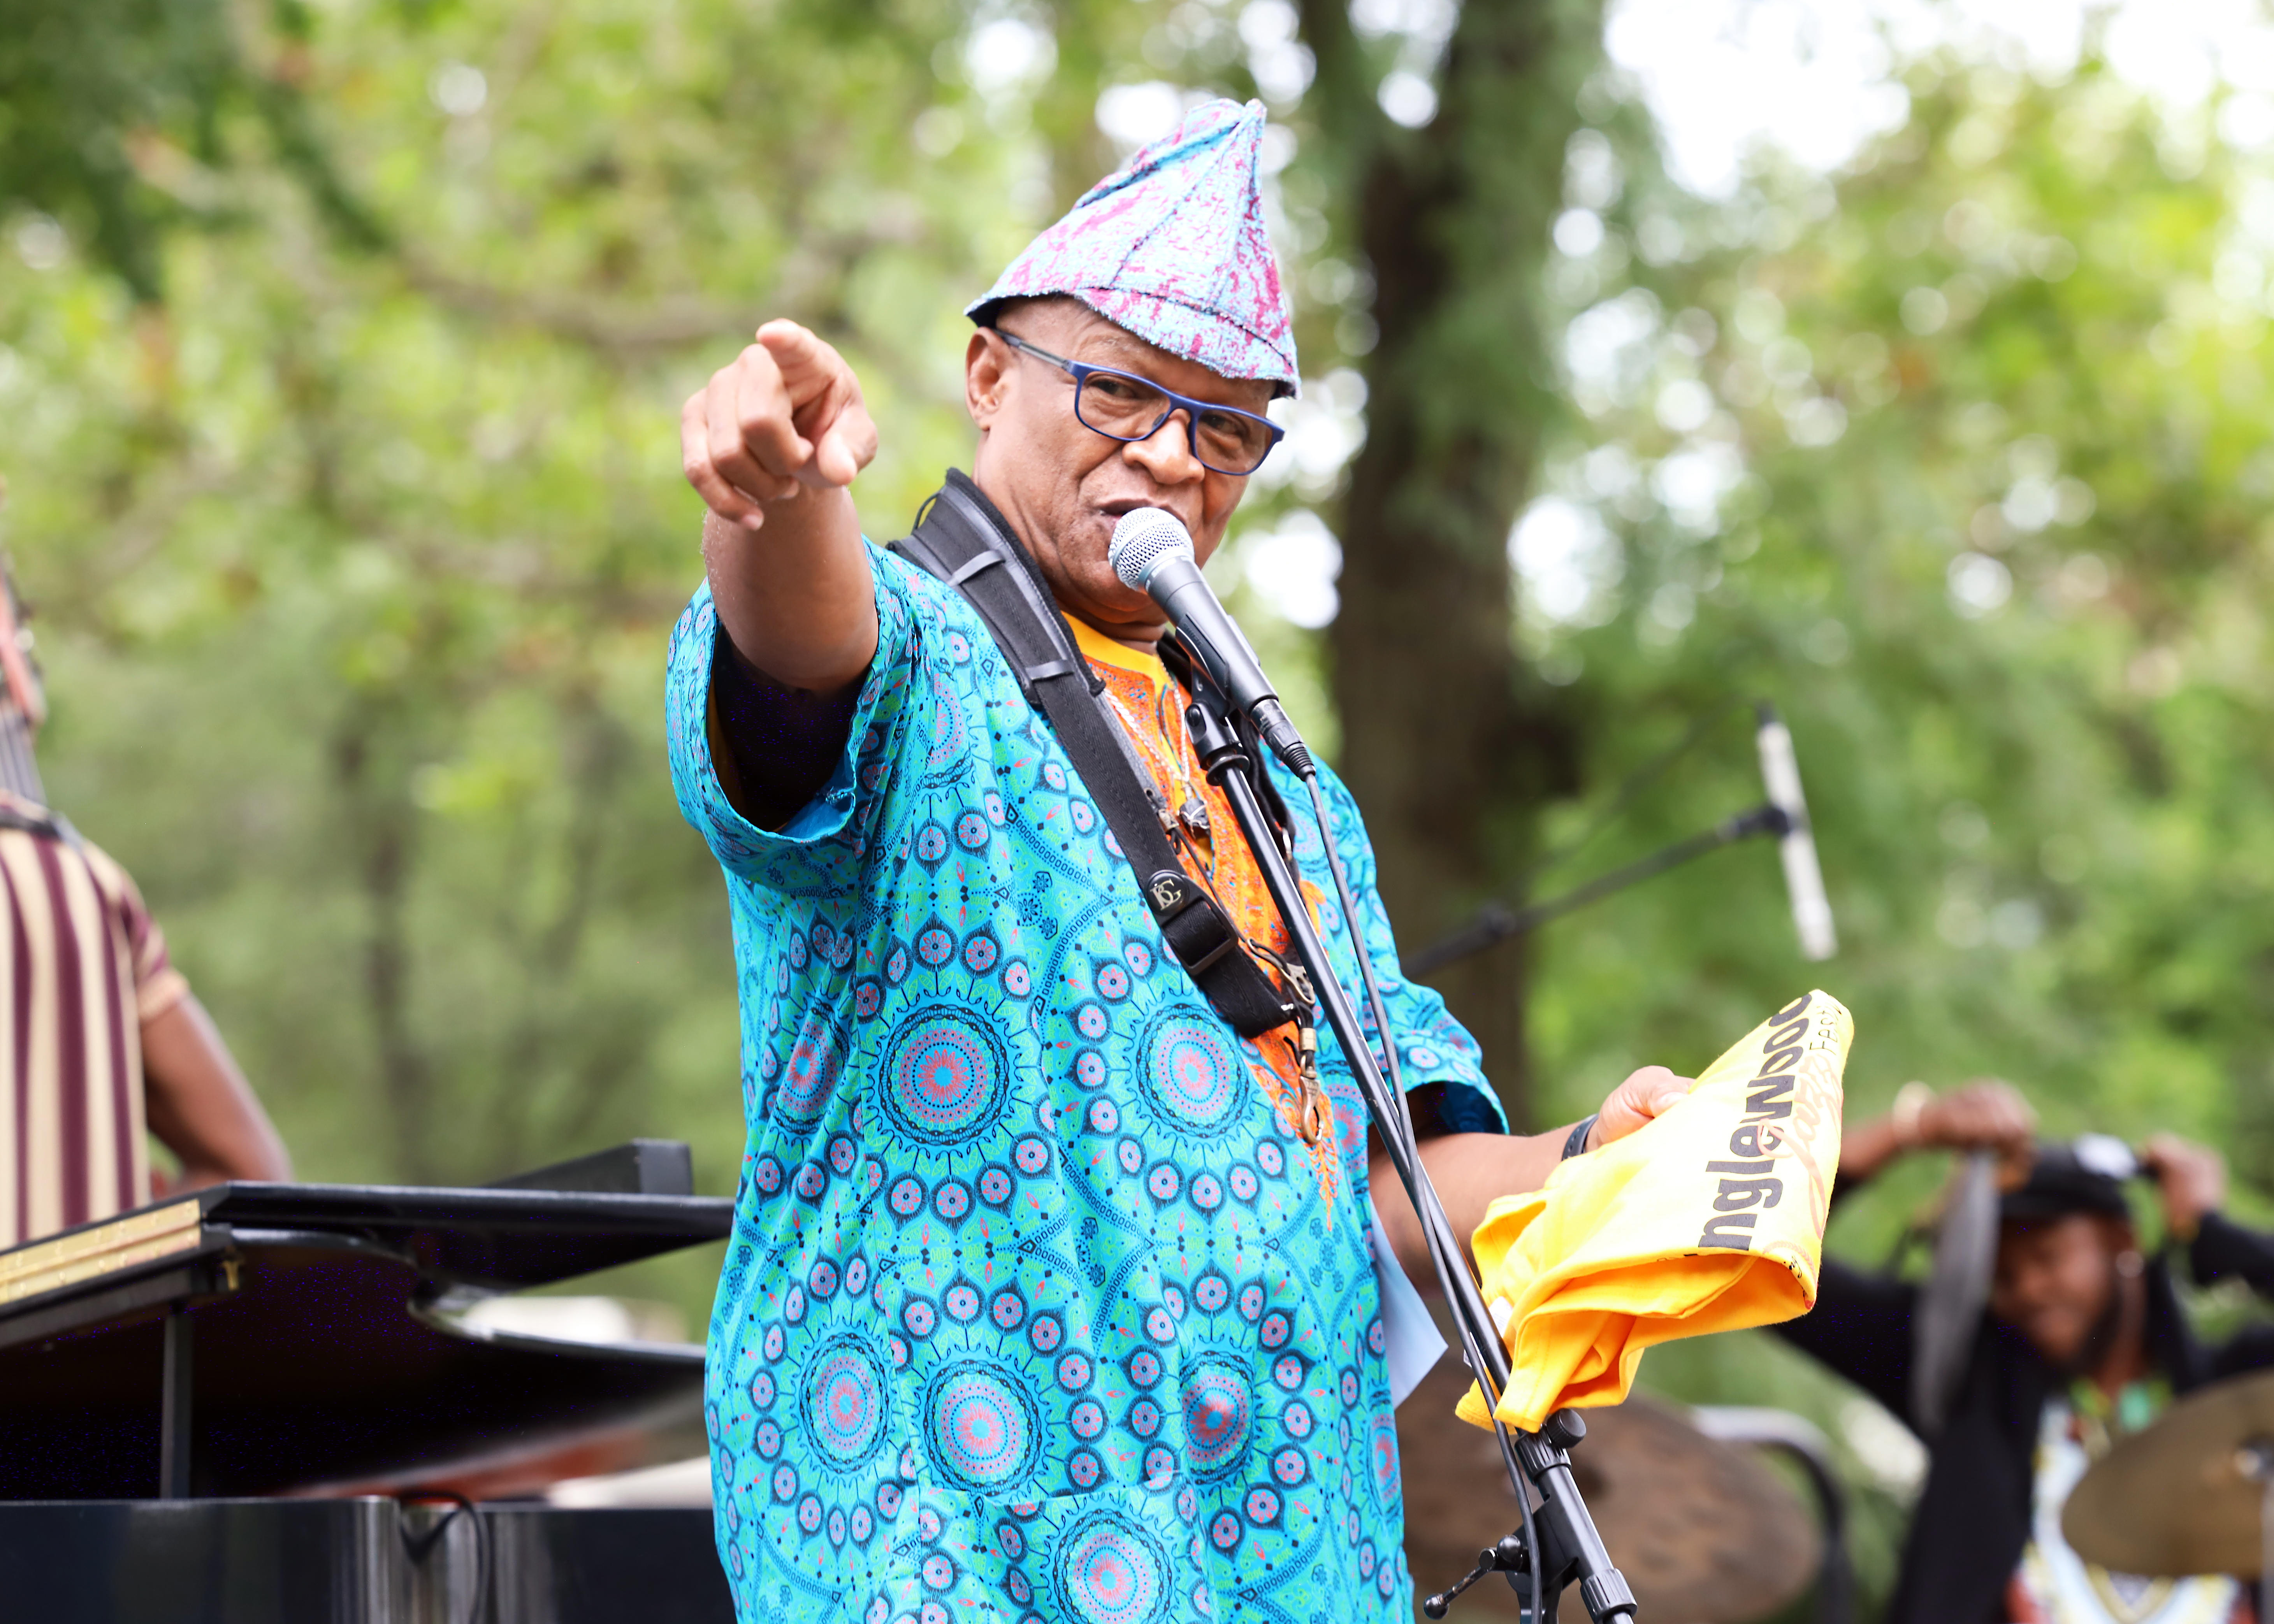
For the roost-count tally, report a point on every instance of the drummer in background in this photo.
(101, 1042)
(2083, 1340)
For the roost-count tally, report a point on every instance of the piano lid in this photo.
(323, 1354)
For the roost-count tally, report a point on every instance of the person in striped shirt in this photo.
(101, 1042)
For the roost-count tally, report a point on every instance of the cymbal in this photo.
(2173, 1499)
(1704, 1532)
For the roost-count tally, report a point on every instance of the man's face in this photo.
(1064, 487)
(2055, 1279)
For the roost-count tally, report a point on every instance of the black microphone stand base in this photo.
(1561, 1536)
(1508, 1557)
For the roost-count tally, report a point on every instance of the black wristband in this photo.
(1578, 1143)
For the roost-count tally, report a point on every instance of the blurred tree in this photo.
(1960, 456)
(354, 602)
(1448, 746)
(354, 513)
(354, 554)
(111, 111)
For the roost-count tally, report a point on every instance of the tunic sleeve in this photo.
(821, 845)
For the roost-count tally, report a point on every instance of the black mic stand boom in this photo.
(1565, 1547)
(1496, 921)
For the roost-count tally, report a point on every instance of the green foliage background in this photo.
(338, 402)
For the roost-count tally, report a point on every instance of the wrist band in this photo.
(1578, 1143)
(1911, 1100)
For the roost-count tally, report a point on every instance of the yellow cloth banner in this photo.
(1709, 1219)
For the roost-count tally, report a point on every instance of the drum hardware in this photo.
(2255, 1460)
(418, 1546)
(1801, 1441)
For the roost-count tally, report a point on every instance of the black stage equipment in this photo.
(239, 1405)
(1558, 1544)
(1782, 818)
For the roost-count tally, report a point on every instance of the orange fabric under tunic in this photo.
(1151, 710)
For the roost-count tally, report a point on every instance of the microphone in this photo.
(1803, 880)
(1152, 552)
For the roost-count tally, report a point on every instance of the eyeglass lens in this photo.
(1129, 408)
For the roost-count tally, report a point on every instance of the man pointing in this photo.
(1051, 1294)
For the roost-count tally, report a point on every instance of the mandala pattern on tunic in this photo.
(1033, 1309)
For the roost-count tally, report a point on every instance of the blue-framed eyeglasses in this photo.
(1123, 406)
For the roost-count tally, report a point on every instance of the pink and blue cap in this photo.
(1173, 249)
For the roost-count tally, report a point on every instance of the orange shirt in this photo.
(1151, 710)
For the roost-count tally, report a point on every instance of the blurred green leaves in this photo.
(355, 553)
(1961, 459)
(118, 116)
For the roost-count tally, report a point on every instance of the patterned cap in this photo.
(1173, 249)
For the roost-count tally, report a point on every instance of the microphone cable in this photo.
(1472, 1357)
(1352, 924)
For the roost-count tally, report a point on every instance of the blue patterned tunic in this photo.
(1035, 1309)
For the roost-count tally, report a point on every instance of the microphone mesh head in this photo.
(1145, 539)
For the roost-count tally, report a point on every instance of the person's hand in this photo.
(2191, 1178)
(1984, 1115)
(785, 416)
(1645, 1095)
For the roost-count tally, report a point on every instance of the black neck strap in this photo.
(961, 539)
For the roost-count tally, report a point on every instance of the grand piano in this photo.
(281, 1404)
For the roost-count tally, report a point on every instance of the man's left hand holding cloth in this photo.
(1050, 1294)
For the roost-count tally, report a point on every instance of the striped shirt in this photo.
(82, 966)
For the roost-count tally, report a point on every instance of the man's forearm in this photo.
(1984, 1115)
(198, 1104)
(1868, 1147)
(797, 597)
(1471, 1171)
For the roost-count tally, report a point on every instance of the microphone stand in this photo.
(1563, 1544)
(1496, 921)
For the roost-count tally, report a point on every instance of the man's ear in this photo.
(986, 377)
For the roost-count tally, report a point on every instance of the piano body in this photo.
(260, 1404)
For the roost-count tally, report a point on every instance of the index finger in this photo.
(807, 362)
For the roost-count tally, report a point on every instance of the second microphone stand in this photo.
(1563, 1547)
(1496, 921)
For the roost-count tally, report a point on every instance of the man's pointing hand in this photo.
(784, 416)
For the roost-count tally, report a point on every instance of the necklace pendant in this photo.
(1195, 815)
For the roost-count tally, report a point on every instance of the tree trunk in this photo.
(1448, 746)
(381, 826)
